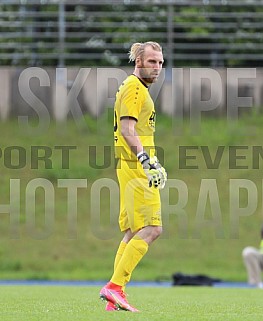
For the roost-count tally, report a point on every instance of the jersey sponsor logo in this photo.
(115, 127)
(152, 119)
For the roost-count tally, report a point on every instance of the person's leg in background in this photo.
(253, 263)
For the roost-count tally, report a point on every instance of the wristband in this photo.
(139, 154)
(142, 157)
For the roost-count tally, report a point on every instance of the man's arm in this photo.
(155, 173)
(129, 133)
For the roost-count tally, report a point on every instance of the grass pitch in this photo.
(37, 303)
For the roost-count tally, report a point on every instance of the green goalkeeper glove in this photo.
(154, 171)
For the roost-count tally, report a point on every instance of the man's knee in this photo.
(159, 230)
(128, 236)
(150, 233)
(249, 252)
(156, 232)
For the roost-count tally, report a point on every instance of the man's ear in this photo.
(138, 62)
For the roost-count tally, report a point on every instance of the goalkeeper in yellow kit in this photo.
(139, 172)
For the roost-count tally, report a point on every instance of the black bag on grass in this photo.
(193, 280)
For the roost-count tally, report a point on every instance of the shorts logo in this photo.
(154, 218)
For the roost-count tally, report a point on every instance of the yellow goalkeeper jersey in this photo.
(133, 100)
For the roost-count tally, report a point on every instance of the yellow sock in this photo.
(131, 256)
(118, 257)
(119, 253)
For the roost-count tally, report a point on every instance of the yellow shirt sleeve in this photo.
(132, 101)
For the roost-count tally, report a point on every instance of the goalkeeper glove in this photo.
(154, 171)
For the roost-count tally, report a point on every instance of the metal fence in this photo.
(99, 33)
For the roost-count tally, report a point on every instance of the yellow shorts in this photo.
(140, 205)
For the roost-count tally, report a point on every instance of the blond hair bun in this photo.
(137, 49)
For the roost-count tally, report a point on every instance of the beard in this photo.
(147, 75)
